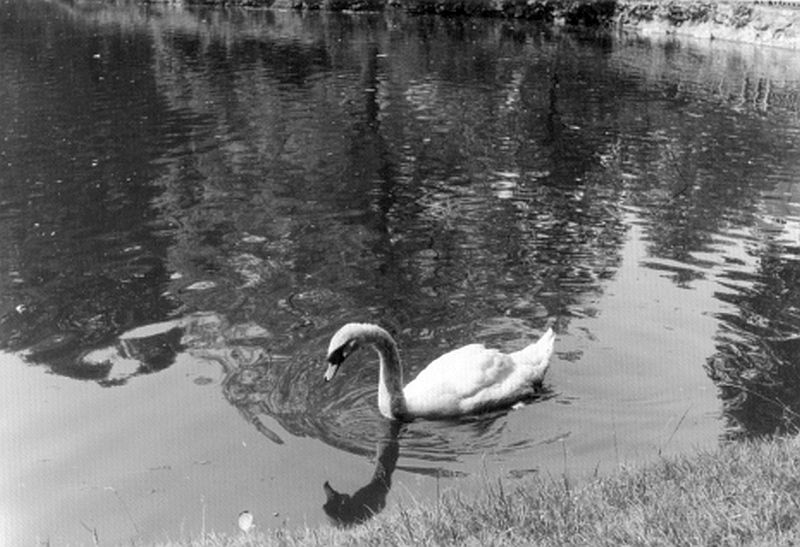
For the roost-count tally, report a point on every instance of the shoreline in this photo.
(743, 493)
(774, 23)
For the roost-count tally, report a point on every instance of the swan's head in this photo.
(346, 341)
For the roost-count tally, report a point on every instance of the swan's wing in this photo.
(460, 380)
(473, 377)
(468, 367)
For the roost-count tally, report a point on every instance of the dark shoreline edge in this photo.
(769, 22)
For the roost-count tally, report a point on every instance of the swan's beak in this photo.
(331, 372)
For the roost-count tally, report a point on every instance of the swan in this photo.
(463, 381)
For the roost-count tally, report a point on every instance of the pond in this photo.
(192, 201)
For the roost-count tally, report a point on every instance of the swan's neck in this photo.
(391, 401)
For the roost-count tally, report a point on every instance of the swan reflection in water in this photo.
(348, 510)
(423, 444)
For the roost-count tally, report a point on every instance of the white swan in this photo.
(463, 381)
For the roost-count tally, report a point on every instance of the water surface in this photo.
(192, 201)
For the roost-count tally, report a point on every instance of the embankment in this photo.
(773, 23)
(766, 22)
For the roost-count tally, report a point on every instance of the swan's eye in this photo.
(338, 356)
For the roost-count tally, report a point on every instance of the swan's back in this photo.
(473, 377)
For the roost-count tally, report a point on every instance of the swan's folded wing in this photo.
(457, 377)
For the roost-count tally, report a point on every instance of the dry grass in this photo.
(741, 494)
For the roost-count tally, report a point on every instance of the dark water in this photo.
(192, 201)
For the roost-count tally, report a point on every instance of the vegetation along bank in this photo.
(745, 493)
(767, 22)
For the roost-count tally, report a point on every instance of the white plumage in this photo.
(463, 381)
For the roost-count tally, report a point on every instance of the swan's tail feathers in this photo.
(537, 355)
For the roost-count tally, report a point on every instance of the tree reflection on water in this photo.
(272, 176)
(757, 367)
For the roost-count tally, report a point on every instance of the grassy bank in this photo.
(742, 494)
